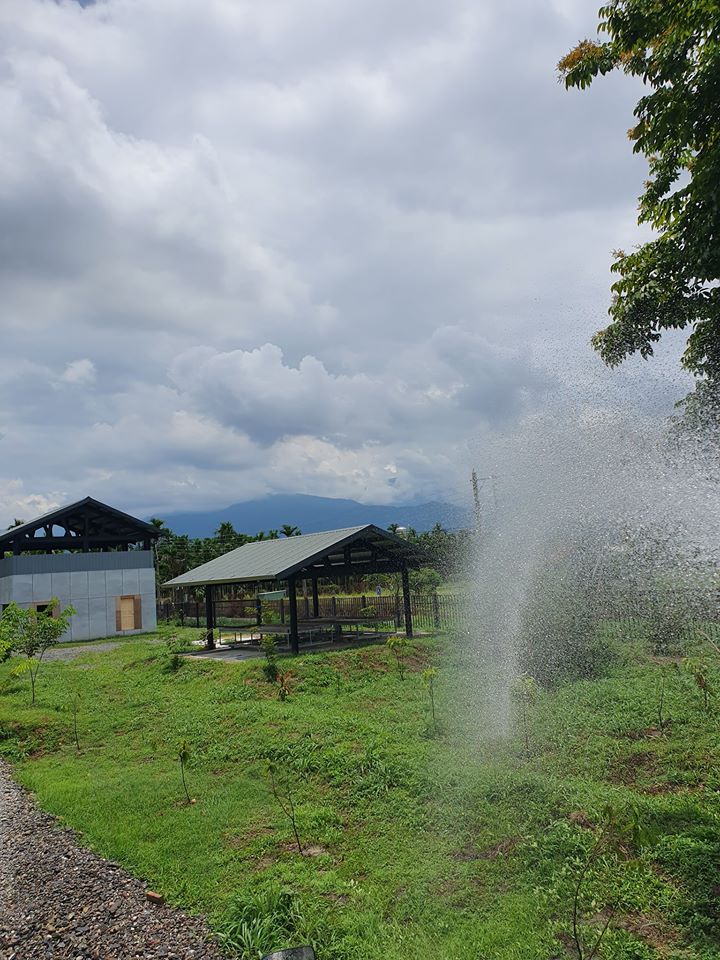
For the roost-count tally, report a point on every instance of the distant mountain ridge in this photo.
(315, 513)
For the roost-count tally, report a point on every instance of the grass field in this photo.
(418, 842)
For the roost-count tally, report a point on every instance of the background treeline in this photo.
(178, 553)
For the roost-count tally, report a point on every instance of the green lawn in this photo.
(449, 845)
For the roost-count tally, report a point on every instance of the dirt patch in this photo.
(647, 733)
(626, 771)
(500, 849)
(659, 789)
(581, 819)
(339, 898)
(65, 654)
(651, 929)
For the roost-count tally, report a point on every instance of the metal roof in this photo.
(279, 559)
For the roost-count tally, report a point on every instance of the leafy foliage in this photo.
(32, 633)
(558, 639)
(672, 280)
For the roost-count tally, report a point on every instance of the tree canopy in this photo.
(672, 280)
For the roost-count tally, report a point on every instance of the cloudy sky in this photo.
(312, 246)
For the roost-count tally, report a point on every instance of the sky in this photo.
(312, 246)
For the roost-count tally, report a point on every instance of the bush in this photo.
(5, 649)
(667, 626)
(558, 638)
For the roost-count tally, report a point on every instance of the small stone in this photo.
(154, 897)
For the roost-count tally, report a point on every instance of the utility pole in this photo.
(476, 483)
(476, 498)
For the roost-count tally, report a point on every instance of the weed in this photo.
(260, 921)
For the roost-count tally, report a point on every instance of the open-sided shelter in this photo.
(89, 555)
(353, 551)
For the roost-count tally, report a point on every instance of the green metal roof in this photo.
(279, 559)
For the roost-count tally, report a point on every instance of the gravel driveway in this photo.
(61, 902)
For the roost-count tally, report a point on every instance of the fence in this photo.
(629, 615)
(429, 612)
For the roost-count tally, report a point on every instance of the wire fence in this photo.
(695, 613)
(429, 612)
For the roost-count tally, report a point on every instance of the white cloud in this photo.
(287, 245)
(79, 372)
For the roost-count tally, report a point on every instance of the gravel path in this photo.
(70, 653)
(61, 902)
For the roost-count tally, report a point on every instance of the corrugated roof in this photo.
(274, 559)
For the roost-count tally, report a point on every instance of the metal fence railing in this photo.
(629, 615)
(429, 612)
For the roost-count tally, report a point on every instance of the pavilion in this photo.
(353, 551)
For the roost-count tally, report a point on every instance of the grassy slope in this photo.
(449, 846)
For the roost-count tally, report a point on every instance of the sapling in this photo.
(283, 681)
(284, 797)
(184, 758)
(525, 690)
(270, 666)
(621, 830)
(75, 715)
(699, 672)
(32, 633)
(399, 646)
(428, 678)
(663, 718)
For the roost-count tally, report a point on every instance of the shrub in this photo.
(558, 640)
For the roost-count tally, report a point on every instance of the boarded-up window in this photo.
(128, 613)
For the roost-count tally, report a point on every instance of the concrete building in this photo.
(89, 555)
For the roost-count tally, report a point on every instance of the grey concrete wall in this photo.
(81, 579)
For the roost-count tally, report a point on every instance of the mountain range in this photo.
(311, 514)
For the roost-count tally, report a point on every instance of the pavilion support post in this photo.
(315, 598)
(258, 610)
(209, 617)
(292, 598)
(406, 602)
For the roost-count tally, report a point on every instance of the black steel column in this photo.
(406, 603)
(209, 617)
(292, 597)
(258, 610)
(315, 598)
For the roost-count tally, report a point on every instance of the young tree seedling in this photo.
(270, 668)
(184, 757)
(525, 690)
(283, 681)
(32, 633)
(284, 797)
(428, 678)
(699, 672)
(621, 830)
(400, 646)
(75, 715)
